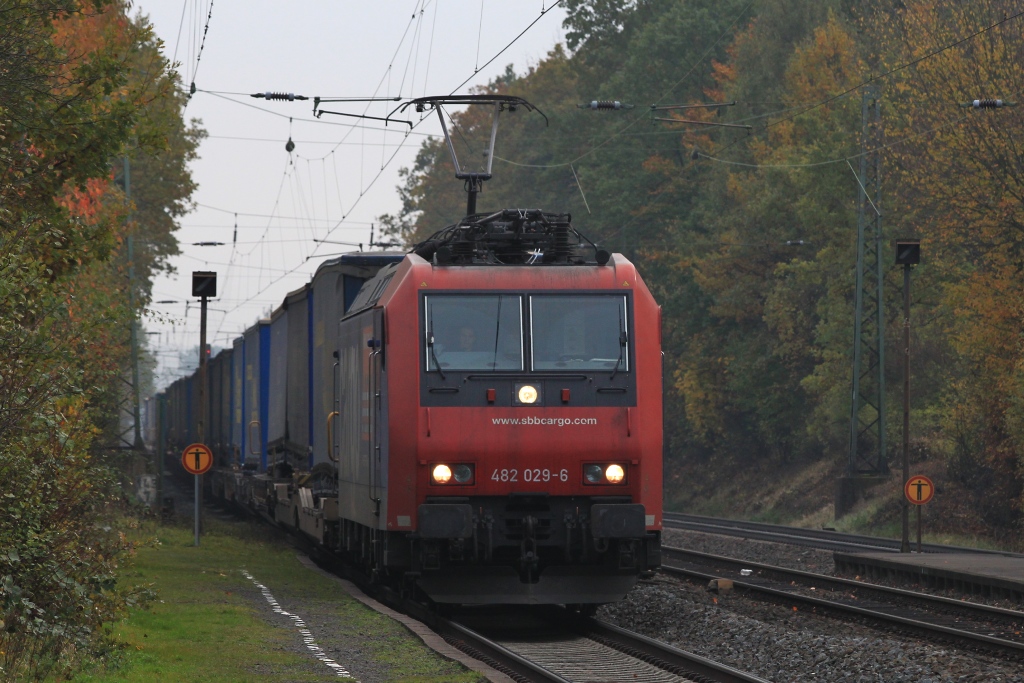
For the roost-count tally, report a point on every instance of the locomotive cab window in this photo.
(474, 332)
(581, 332)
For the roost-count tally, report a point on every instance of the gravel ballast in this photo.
(783, 644)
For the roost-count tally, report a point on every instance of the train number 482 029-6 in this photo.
(530, 475)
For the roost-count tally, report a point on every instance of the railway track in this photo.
(822, 539)
(552, 644)
(541, 644)
(971, 626)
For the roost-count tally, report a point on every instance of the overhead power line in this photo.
(199, 56)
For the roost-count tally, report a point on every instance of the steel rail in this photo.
(685, 665)
(642, 647)
(927, 600)
(954, 636)
(580, 648)
(492, 653)
(824, 580)
(825, 539)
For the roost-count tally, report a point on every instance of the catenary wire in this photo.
(368, 186)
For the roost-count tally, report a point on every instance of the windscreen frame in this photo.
(429, 353)
(625, 354)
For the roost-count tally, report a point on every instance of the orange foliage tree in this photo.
(79, 84)
(961, 190)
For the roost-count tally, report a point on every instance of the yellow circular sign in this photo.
(919, 489)
(197, 458)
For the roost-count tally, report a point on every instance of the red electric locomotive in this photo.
(494, 418)
(499, 436)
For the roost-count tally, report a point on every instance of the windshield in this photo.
(474, 332)
(585, 332)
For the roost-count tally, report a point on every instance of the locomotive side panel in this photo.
(362, 488)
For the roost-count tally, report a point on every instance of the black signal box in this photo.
(204, 284)
(908, 252)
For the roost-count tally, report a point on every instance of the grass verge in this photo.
(209, 623)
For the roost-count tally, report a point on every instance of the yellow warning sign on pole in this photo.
(197, 458)
(919, 489)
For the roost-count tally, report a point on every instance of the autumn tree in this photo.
(961, 190)
(749, 238)
(81, 84)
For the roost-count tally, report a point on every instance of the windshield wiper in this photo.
(430, 345)
(622, 346)
(497, 335)
(622, 351)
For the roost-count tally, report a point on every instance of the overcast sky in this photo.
(343, 172)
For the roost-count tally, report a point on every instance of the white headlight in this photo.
(528, 394)
(614, 474)
(442, 474)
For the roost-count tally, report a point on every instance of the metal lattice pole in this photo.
(867, 453)
(137, 443)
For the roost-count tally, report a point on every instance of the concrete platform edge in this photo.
(924, 571)
(421, 630)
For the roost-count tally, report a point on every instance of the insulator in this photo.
(462, 250)
(986, 104)
(563, 247)
(604, 104)
(290, 96)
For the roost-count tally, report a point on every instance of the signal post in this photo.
(204, 286)
(197, 459)
(908, 254)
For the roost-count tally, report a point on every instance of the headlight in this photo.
(604, 474)
(442, 474)
(614, 474)
(463, 474)
(527, 393)
(452, 474)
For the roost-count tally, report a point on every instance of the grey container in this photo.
(277, 382)
(299, 422)
(237, 399)
(214, 394)
(334, 288)
(218, 372)
(224, 407)
(174, 414)
(255, 391)
(192, 402)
